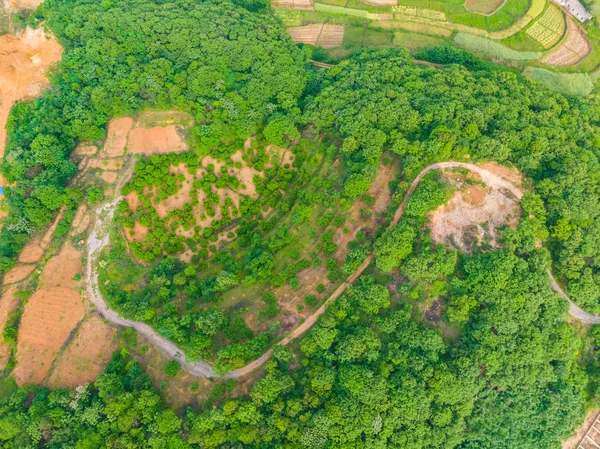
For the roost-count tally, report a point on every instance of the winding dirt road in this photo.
(99, 237)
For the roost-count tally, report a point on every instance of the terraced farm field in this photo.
(549, 28)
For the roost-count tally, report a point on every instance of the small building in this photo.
(576, 9)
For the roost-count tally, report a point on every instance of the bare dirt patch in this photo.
(573, 49)
(112, 164)
(24, 60)
(50, 316)
(85, 356)
(85, 149)
(116, 136)
(473, 214)
(18, 273)
(155, 140)
(36, 248)
(8, 303)
(21, 5)
(109, 176)
(81, 220)
(510, 174)
(326, 36)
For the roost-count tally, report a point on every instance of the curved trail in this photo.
(99, 238)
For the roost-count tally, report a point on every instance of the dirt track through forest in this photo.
(99, 238)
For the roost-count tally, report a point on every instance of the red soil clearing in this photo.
(24, 61)
(155, 140)
(50, 316)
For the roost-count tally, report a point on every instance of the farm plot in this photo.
(485, 7)
(50, 316)
(326, 36)
(292, 4)
(574, 48)
(382, 2)
(549, 28)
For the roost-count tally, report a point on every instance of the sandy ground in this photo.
(573, 49)
(85, 356)
(8, 303)
(24, 60)
(473, 214)
(50, 316)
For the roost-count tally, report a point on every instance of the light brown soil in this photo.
(109, 176)
(326, 36)
(112, 164)
(511, 174)
(18, 273)
(155, 140)
(139, 233)
(85, 149)
(36, 248)
(86, 355)
(24, 60)
(81, 220)
(133, 201)
(573, 442)
(21, 5)
(8, 303)
(116, 136)
(292, 4)
(473, 215)
(573, 49)
(50, 316)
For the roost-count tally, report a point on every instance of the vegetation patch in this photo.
(486, 7)
(549, 28)
(493, 49)
(579, 84)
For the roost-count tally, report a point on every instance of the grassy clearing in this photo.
(577, 84)
(493, 49)
(414, 41)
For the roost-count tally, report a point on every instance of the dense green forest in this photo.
(501, 368)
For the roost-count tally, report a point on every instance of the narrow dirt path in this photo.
(99, 237)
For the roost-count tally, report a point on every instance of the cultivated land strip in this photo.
(99, 238)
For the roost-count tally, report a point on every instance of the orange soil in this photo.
(106, 164)
(36, 248)
(155, 140)
(24, 61)
(8, 303)
(81, 220)
(85, 356)
(18, 273)
(50, 316)
(116, 136)
(512, 175)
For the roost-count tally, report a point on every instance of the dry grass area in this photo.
(50, 316)
(485, 7)
(326, 36)
(24, 61)
(8, 303)
(85, 356)
(573, 49)
(474, 213)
